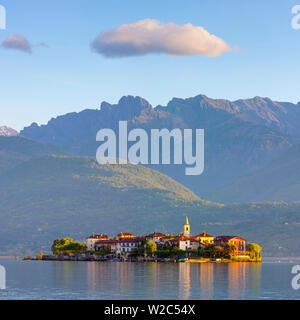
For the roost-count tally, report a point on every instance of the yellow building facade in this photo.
(205, 238)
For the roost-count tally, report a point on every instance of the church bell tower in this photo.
(186, 228)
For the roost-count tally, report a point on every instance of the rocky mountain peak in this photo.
(132, 101)
(8, 132)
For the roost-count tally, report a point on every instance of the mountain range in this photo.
(242, 138)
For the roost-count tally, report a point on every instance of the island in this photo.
(157, 247)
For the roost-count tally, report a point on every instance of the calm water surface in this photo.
(115, 280)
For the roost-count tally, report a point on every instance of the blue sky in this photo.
(67, 76)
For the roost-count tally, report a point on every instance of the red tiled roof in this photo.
(204, 234)
(168, 237)
(156, 234)
(98, 236)
(128, 240)
(114, 241)
(181, 237)
(140, 238)
(227, 238)
(111, 241)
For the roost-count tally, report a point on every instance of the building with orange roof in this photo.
(126, 246)
(125, 235)
(205, 238)
(156, 236)
(125, 243)
(111, 244)
(91, 240)
(238, 241)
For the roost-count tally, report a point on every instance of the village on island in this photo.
(157, 247)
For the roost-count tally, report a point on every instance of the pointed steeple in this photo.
(186, 227)
(186, 220)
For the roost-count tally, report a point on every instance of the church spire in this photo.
(186, 220)
(186, 227)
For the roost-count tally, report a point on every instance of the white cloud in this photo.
(20, 43)
(151, 36)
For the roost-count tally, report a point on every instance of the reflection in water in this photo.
(65, 273)
(153, 269)
(109, 280)
(103, 277)
(236, 278)
(207, 279)
(184, 280)
(242, 276)
(254, 279)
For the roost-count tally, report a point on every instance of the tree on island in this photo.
(103, 251)
(215, 251)
(40, 255)
(67, 245)
(254, 250)
(151, 247)
(218, 252)
(230, 249)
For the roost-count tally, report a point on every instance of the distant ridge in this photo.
(15, 150)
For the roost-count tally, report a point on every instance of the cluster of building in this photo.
(125, 243)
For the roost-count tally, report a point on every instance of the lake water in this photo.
(116, 280)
